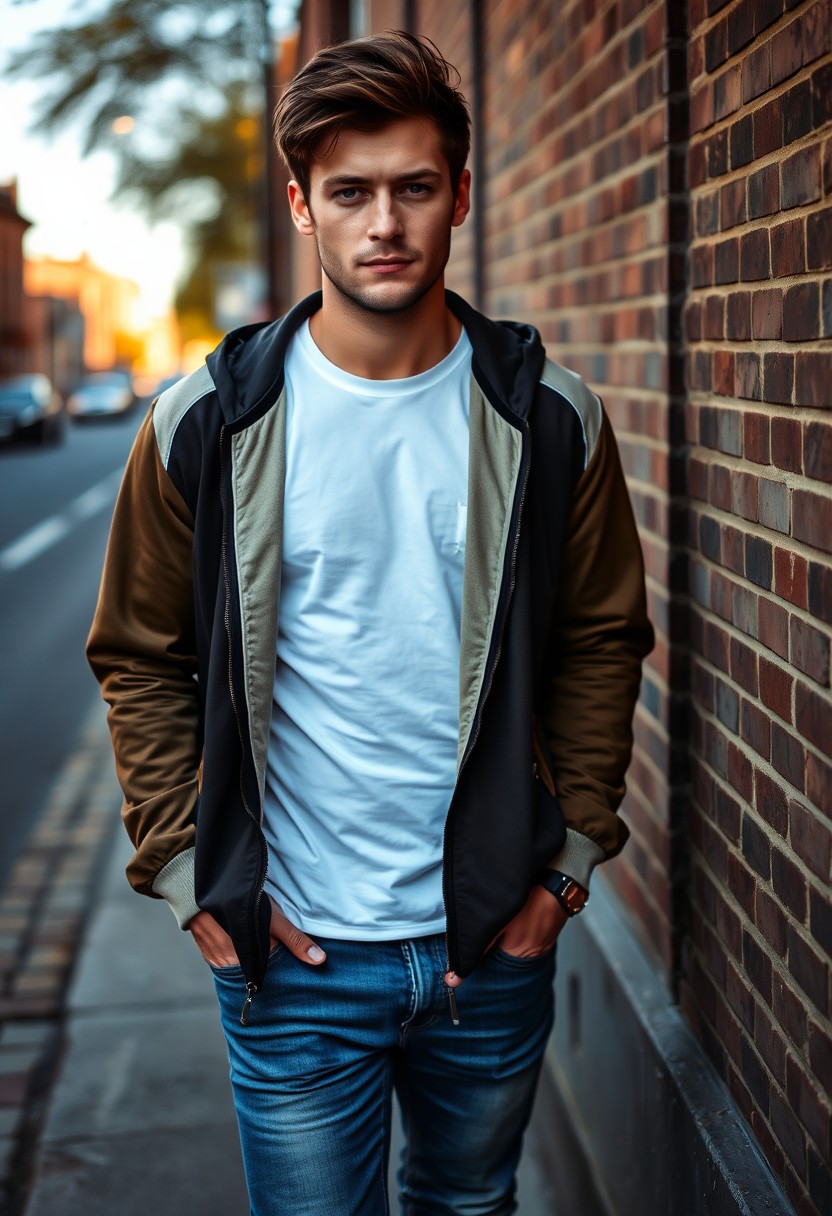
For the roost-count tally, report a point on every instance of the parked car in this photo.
(102, 393)
(30, 406)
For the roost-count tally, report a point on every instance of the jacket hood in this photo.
(247, 366)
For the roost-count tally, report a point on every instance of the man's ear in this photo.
(301, 215)
(462, 202)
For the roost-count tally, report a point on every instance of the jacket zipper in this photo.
(475, 730)
(251, 988)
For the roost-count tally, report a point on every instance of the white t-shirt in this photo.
(363, 746)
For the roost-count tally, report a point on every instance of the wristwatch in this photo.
(570, 895)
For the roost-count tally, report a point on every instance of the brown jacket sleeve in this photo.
(599, 637)
(142, 651)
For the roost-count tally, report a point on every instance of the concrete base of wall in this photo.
(654, 1121)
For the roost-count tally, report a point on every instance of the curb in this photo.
(44, 910)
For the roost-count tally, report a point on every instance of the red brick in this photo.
(773, 626)
(819, 239)
(713, 317)
(740, 772)
(817, 445)
(755, 728)
(756, 72)
(813, 378)
(788, 248)
(790, 577)
(745, 496)
(786, 52)
(801, 312)
(738, 316)
(720, 488)
(739, 997)
(726, 261)
(733, 548)
(808, 968)
(770, 921)
(819, 783)
(723, 372)
(755, 432)
(820, 591)
(810, 1108)
(788, 756)
(732, 207)
(744, 665)
(768, 137)
(727, 813)
(800, 178)
(812, 519)
(747, 384)
(767, 313)
(771, 803)
(776, 688)
(811, 840)
(754, 256)
(789, 1011)
(820, 1055)
(816, 31)
(813, 716)
(809, 651)
(786, 439)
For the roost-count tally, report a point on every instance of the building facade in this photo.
(13, 334)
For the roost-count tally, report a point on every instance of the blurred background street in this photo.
(55, 508)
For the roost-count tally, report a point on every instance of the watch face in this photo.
(575, 897)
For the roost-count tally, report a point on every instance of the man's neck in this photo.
(384, 345)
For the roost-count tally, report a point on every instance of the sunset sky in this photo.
(67, 197)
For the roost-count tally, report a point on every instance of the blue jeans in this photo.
(314, 1070)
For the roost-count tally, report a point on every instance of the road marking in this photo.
(52, 530)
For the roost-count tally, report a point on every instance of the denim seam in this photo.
(411, 971)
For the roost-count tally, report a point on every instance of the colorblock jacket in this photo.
(553, 633)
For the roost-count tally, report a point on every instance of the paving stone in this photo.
(111, 1083)
(13, 1088)
(8, 1146)
(23, 1034)
(20, 1060)
(197, 1169)
(28, 1006)
(10, 1117)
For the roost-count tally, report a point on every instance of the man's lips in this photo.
(387, 265)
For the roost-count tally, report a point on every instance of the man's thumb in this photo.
(304, 948)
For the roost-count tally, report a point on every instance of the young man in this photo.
(371, 630)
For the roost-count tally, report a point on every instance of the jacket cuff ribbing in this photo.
(578, 857)
(175, 883)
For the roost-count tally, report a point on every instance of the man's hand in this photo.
(295, 941)
(533, 931)
(218, 949)
(215, 944)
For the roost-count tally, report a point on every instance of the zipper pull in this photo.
(453, 1005)
(250, 991)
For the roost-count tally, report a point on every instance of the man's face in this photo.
(381, 209)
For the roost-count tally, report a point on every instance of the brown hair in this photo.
(364, 84)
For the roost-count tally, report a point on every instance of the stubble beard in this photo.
(363, 299)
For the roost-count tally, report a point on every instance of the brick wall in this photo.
(578, 217)
(758, 322)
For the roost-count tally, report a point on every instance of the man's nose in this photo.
(384, 220)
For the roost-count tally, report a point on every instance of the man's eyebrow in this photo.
(355, 179)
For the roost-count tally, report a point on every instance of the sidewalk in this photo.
(140, 1116)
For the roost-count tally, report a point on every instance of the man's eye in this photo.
(348, 193)
(417, 188)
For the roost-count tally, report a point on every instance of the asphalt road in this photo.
(55, 509)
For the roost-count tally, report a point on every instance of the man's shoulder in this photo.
(569, 387)
(173, 405)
